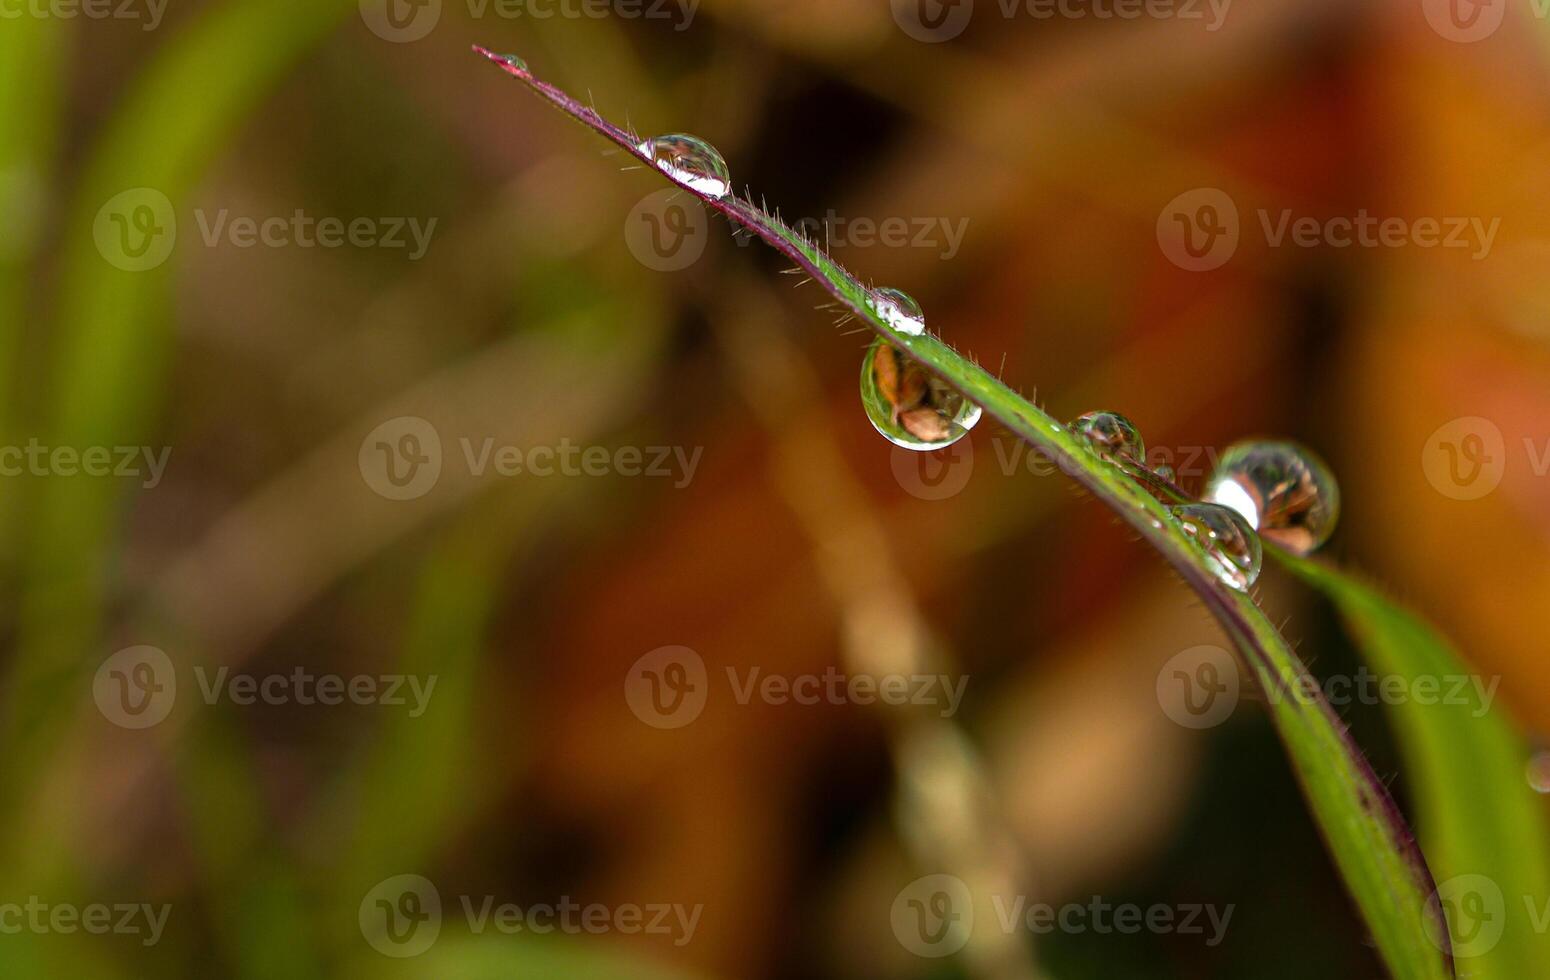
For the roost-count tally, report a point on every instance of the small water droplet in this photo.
(910, 406)
(690, 161)
(1166, 472)
(511, 61)
(1111, 434)
(1231, 547)
(1538, 772)
(898, 309)
(1283, 490)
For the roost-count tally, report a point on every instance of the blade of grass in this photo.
(1373, 848)
(113, 332)
(30, 89)
(1465, 760)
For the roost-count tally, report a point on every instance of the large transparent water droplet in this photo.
(1111, 434)
(909, 405)
(690, 161)
(1538, 772)
(1231, 547)
(1282, 489)
(898, 309)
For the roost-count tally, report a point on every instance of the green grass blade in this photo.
(112, 339)
(1373, 849)
(1483, 827)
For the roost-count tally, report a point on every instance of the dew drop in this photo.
(1282, 489)
(898, 309)
(1166, 472)
(1538, 772)
(690, 161)
(1231, 547)
(510, 61)
(910, 406)
(1111, 434)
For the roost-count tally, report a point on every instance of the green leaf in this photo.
(1483, 827)
(1373, 849)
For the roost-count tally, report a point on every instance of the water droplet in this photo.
(1231, 547)
(690, 161)
(1166, 472)
(909, 405)
(1539, 772)
(510, 61)
(898, 309)
(1283, 490)
(1111, 434)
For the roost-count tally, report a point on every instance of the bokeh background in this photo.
(559, 302)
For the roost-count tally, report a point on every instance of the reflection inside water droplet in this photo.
(690, 161)
(1282, 489)
(909, 405)
(1231, 547)
(1111, 434)
(898, 309)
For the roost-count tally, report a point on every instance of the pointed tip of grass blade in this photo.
(511, 63)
